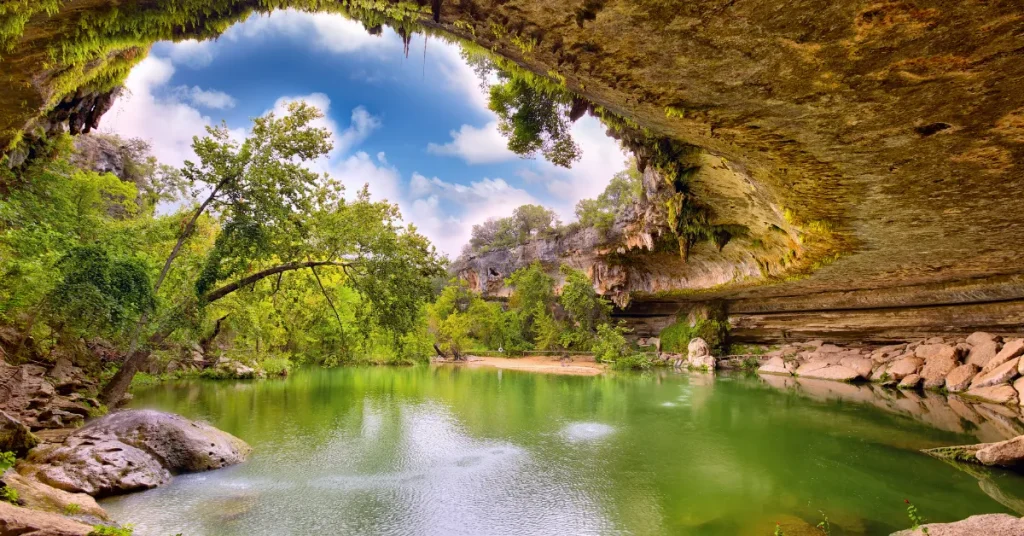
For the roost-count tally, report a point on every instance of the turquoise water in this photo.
(443, 450)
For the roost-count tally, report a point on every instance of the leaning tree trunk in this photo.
(118, 386)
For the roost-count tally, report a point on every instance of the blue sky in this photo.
(416, 129)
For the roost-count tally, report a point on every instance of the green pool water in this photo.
(444, 450)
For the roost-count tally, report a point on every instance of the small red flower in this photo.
(906, 501)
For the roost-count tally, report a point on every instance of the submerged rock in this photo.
(988, 524)
(133, 450)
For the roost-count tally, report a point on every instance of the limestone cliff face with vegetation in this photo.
(870, 151)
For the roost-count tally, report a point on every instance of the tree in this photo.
(533, 220)
(535, 118)
(583, 306)
(532, 296)
(624, 188)
(277, 217)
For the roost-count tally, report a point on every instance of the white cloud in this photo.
(474, 203)
(332, 33)
(602, 158)
(167, 123)
(217, 100)
(192, 53)
(483, 145)
(362, 122)
(459, 75)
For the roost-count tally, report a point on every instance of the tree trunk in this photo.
(118, 386)
(207, 342)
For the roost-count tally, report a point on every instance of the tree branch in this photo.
(219, 293)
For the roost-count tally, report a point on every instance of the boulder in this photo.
(959, 379)
(986, 524)
(937, 367)
(829, 349)
(860, 364)
(832, 372)
(928, 351)
(911, 381)
(979, 337)
(1012, 349)
(879, 373)
(1018, 384)
(698, 347)
(15, 436)
(1001, 374)
(35, 494)
(19, 521)
(698, 354)
(810, 367)
(904, 367)
(133, 450)
(775, 365)
(982, 353)
(1009, 453)
(999, 394)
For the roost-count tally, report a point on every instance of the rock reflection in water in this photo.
(987, 422)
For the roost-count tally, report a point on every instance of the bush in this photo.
(676, 338)
(633, 362)
(276, 366)
(106, 530)
(9, 494)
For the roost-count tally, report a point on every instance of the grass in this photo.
(107, 530)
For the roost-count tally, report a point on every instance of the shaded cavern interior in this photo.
(870, 150)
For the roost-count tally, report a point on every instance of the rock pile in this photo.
(982, 366)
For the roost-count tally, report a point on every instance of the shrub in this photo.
(9, 494)
(7, 460)
(676, 338)
(276, 366)
(106, 530)
(633, 362)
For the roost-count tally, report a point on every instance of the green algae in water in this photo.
(431, 450)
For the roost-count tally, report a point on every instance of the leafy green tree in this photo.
(610, 344)
(99, 293)
(532, 296)
(624, 188)
(278, 217)
(584, 309)
(535, 117)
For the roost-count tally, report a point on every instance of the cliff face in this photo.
(890, 132)
(639, 256)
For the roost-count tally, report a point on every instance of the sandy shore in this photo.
(580, 366)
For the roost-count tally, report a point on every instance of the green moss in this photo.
(676, 338)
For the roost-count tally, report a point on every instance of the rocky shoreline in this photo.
(982, 366)
(124, 452)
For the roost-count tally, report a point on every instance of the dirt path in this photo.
(580, 366)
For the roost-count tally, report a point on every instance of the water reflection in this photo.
(462, 451)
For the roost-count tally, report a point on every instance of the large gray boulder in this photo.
(987, 525)
(131, 451)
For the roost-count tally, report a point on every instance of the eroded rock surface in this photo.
(133, 450)
(17, 521)
(987, 525)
